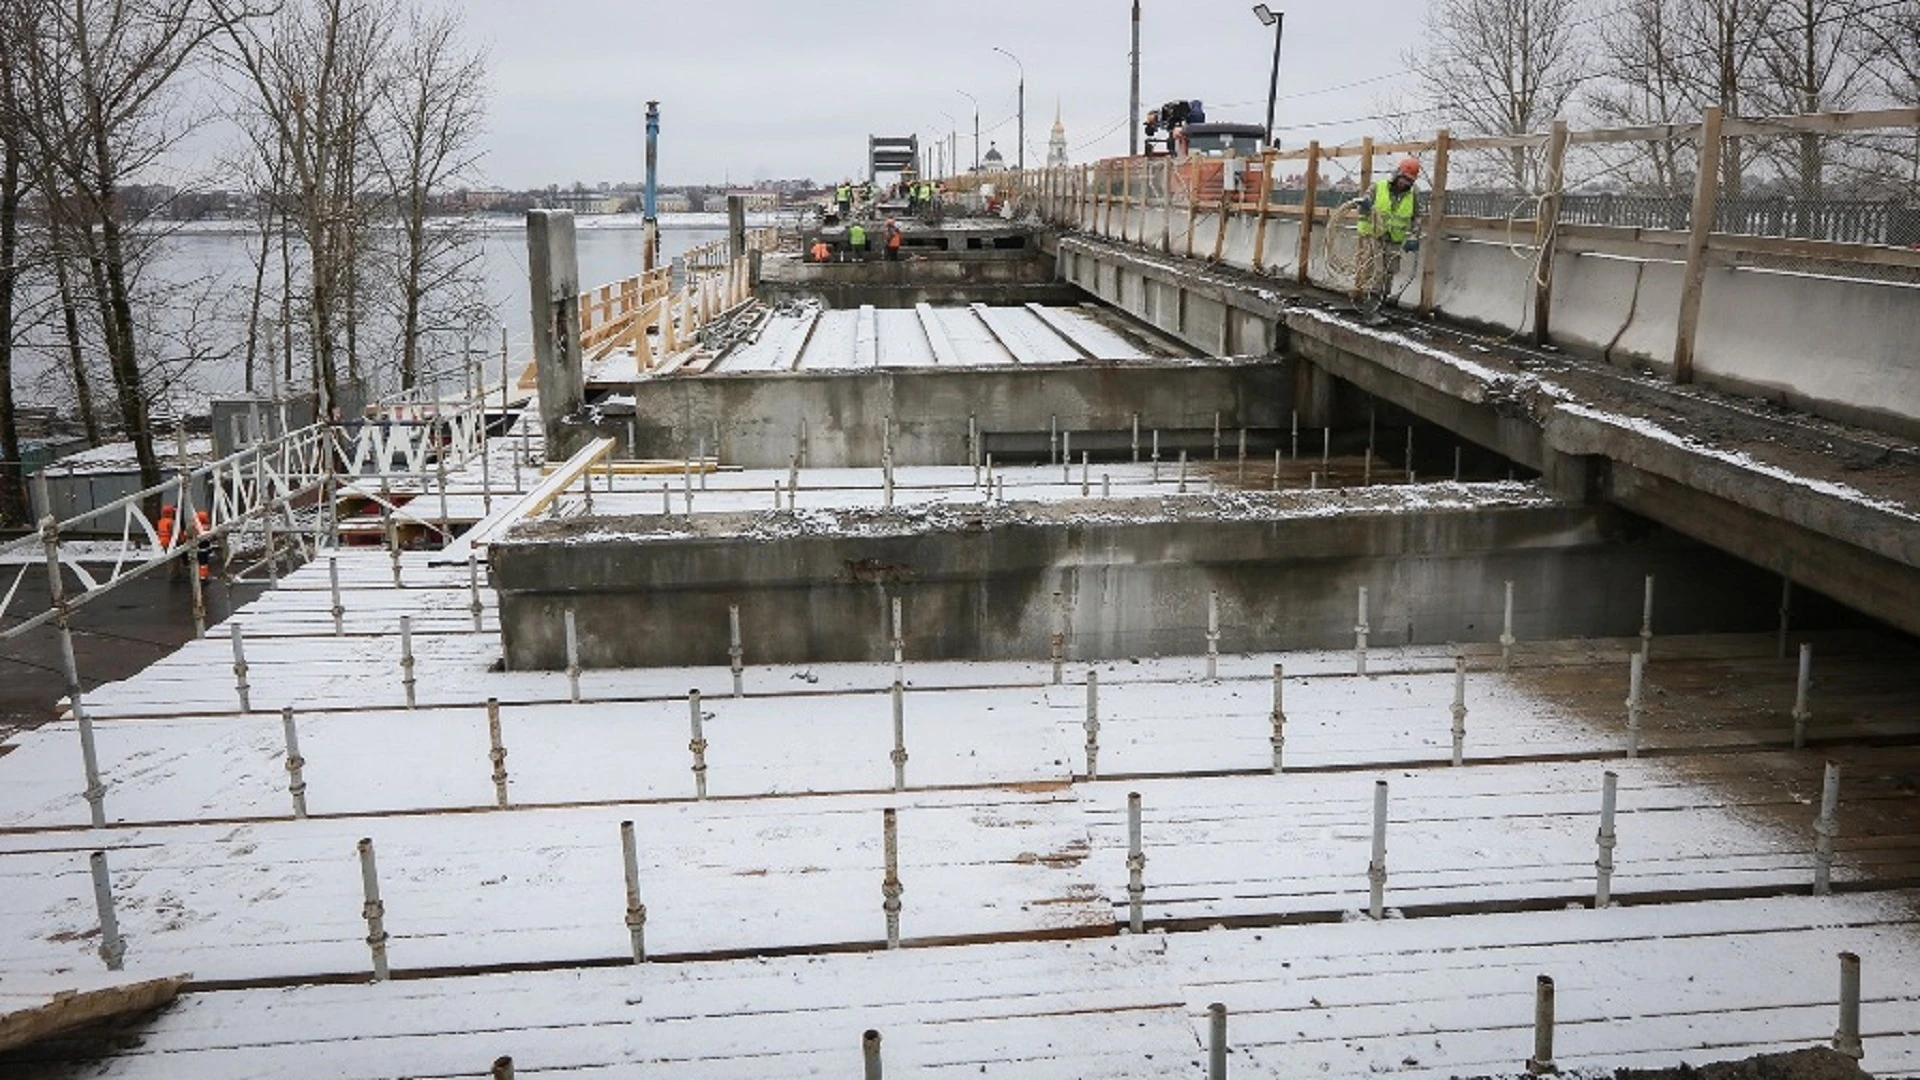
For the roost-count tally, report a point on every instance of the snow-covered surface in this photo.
(976, 335)
(764, 900)
(118, 457)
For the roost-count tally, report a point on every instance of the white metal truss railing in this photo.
(410, 439)
(253, 485)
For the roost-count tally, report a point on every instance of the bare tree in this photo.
(1502, 67)
(433, 108)
(1815, 61)
(1641, 86)
(93, 100)
(13, 173)
(317, 73)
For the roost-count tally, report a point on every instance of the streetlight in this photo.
(1277, 20)
(1022, 151)
(952, 141)
(976, 127)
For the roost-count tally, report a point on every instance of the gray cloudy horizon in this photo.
(755, 90)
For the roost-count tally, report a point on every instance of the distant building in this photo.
(759, 202)
(993, 162)
(1057, 144)
(672, 202)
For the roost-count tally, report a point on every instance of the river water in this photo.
(198, 283)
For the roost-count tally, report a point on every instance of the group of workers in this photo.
(856, 244)
(199, 533)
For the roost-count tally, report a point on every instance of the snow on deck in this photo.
(975, 335)
(763, 900)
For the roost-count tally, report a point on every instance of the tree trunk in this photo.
(13, 490)
(76, 352)
(122, 358)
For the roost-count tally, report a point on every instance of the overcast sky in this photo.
(759, 89)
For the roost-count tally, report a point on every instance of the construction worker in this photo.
(843, 195)
(164, 531)
(894, 240)
(1387, 215)
(857, 241)
(820, 252)
(204, 549)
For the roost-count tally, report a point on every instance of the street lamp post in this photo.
(1277, 20)
(952, 143)
(976, 127)
(1021, 152)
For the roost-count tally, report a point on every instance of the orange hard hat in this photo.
(166, 510)
(1409, 167)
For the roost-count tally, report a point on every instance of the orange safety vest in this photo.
(821, 252)
(893, 239)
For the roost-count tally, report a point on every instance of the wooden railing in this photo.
(653, 318)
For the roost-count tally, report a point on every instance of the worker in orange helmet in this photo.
(164, 529)
(1388, 213)
(894, 239)
(820, 252)
(202, 529)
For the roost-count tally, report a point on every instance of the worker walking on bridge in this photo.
(843, 195)
(857, 242)
(1388, 212)
(894, 239)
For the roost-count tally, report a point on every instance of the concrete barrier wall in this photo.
(759, 416)
(1833, 345)
(1124, 585)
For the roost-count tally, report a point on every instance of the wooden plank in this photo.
(1641, 133)
(1437, 222)
(1549, 214)
(30, 1017)
(1823, 123)
(1266, 202)
(1308, 211)
(1706, 195)
(1503, 142)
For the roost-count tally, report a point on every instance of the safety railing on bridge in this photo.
(1824, 194)
(653, 318)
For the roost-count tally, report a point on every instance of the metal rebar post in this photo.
(1294, 437)
(1825, 828)
(1456, 464)
(446, 521)
(486, 469)
(1366, 468)
(1410, 475)
(1156, 455)
(1360, 631)
(339, 610)
(573, 656)
(516, 471)
(1802, 714)
(1377, 869)
(1636, 676)
(698, 744)
(1786, 615)
(989, 476)
(1276, 469)
(1326, 447)
(1216, 1041)
(1279, 736)
(890, 887)
(240, 667)
(1092, 724)
(1066, 457)
(1506, 631)
(1646, 621)
(702, 458)
(373, 910)
(502, 1069)
(870, 1053)
(296, 778)
(392, 530)
(1603, 866)
(898, 642)
(1086, 474)
(636, 911)
(666, 500)
(112, 948)
(1313, 481)
(886, 478)
(686, 488)
(1059, 642)
(1106, 486)
(1183, 473)
(1846, 1037)
(406, 659)
(1053, 439)
(806, 443)
(973, 446)
(1243, 456)
(1216, 435)
(736, 652)
(497, 753)
(1136, 866)
(1541, 1063)
(899, 754)
(1134, 443)
(1000, 489)
(1459, 708)
(273, 555)
(473, 589)
(1213, 635)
